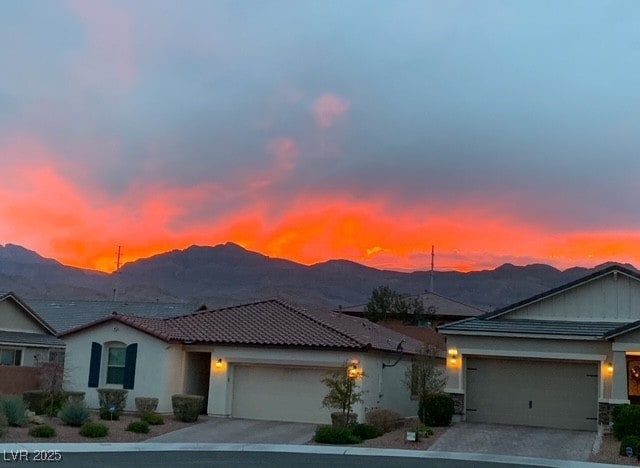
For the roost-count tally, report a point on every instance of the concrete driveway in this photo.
(516, 440)
(241, 431)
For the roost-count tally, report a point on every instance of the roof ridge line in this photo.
(324, 324)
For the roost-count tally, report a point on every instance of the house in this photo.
(264, 360)
(443, 309)
(559, 359)
(26, 342)
(64, 314)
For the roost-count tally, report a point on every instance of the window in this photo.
(116, 360)
(115, 365)
(10, 357)
(118, 367)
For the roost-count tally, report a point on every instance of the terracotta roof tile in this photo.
(270, 323)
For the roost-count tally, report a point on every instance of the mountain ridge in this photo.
(227, 274)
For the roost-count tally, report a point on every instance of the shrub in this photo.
(74, 413)
(112, 397)
(34, 400)
(153, 418)
(42, 431)
(14, 409)
(384, 420)
(140, 427)
(629, 441)
(186, 408)
(436, 409)
(94, 430)
(365, 431)
(335, 435)
(146, 405)
(626, 421)
(107, 415)
(3, 423)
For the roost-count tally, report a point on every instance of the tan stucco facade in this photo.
(164, 369)
(612, 298)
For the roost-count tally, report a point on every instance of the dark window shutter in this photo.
(94, 364)
(130, 366)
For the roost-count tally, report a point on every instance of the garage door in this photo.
(532, 393)
(280, 394)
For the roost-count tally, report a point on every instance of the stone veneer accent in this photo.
(458, 400)
(604, 412)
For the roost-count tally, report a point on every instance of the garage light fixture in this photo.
(609, 368)
(453, 356)
(354, 372)
(219, 363)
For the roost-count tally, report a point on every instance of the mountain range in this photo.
(229, 274)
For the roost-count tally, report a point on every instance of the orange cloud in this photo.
(328, 108)
(42, 209)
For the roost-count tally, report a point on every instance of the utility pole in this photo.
(117, 273)
(432, 257)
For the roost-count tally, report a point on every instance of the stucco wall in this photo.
(381, 388)
(161, 367)
(158, 364)
(565, 350)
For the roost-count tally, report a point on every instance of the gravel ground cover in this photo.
(117, 430)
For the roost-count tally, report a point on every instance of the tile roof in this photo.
(443, 306)
(269, 323)
(64, 315)
(26, 339)
(559, 328)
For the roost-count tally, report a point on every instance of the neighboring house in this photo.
(26, 341)
(264, 360)
(63, 314)
(560, 359)
(444, 309)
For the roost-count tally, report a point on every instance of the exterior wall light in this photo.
(219, 363)
(353, 371)
(453, 356)
(609, 368)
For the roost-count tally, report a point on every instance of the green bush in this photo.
(626, 421)
(365, 431)
(112, 397)
(74, 413)
(153, 418)
(34, 400)
(94, 430)
(141, 427)
(436, 409)
(106, 415)
(3, 423)
(186, 408)
(42, 431)
(13, 408)
(629, 441)
(335, 435)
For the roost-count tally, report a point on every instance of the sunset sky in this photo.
(498, 131)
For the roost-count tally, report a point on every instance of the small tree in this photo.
(343, 391)
(387, 303)
(383, 302)
(426, 377)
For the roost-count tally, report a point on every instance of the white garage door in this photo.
(532, 393)
(279, 394)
